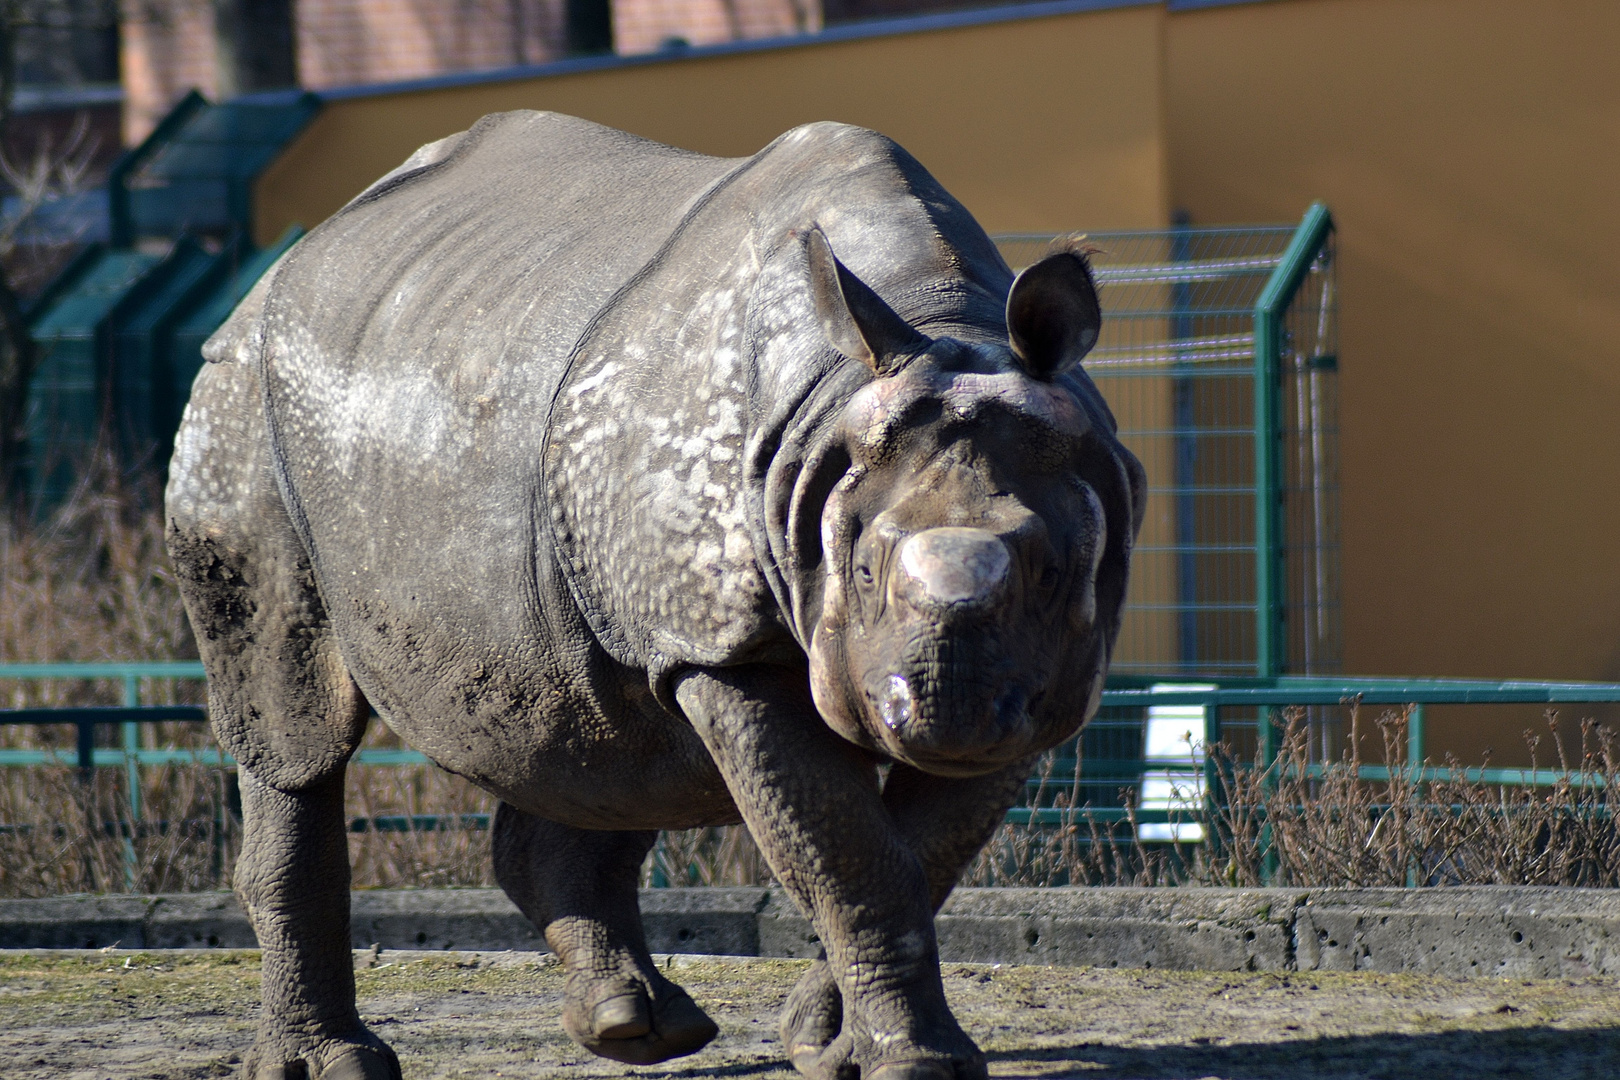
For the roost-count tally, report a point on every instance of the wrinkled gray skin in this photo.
(585, 464)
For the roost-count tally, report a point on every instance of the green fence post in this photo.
(1414, 742)
(1307, 241)
(1270, 749)
(1267, 494)
(1214, 785)
(132, 777)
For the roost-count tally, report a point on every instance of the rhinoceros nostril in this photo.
(954, 565)
(1012, 707)
(894, 703)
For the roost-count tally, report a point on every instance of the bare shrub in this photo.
(1081, 848)
(1307, 823)
(63, 834)
(716, 856)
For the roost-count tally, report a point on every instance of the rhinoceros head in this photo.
(977, 545)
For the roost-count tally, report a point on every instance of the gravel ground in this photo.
(185, 1015)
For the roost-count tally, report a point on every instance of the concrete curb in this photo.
(1465, 931)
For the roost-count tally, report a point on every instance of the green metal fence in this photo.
(1218, 356)
(1119, 751)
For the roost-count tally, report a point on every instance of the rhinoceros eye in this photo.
(863, 574)
(1049, 578)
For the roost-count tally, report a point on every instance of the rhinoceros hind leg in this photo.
(293, 878)
(282, 702)
(578, 887)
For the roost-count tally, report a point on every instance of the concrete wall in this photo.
(1034, 124)
(1469, 152)
(1491, 931)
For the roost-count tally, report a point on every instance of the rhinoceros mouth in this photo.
(950, 726)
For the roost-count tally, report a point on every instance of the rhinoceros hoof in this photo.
(362, 1063)
(812, 1017)
(365, 1058)
(851, 1056)
(922, 1069)
(629, 1027)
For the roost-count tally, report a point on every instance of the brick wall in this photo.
(641, 26)
(350, 42)
(167, 45)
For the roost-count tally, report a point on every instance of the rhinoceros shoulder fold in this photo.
(240, 337)
(425, 157)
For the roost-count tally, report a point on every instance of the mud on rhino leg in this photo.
(945, 822)
(292, 728)
(281, 701)
(578, 887)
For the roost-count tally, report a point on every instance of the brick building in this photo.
(168, 45)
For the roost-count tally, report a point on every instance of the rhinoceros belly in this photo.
(521, 701)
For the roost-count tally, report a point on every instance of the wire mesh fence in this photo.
(1178, 362)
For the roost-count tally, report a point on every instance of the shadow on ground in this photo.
(1540, 1053)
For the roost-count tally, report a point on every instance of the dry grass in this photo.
(93, 583)
(1080, 849)
(1327, 827)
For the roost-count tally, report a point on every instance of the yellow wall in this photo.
(1470, 153)
(1034, 125)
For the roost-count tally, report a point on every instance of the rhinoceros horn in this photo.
(1053, 316)
(855, 319)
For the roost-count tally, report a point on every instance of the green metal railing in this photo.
(1133, 696)
(1137, 695)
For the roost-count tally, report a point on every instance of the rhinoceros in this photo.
(651, 490)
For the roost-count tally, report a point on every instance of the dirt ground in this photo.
(116, 1015)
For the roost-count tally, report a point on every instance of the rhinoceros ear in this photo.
(1053, 316)
(855, 319)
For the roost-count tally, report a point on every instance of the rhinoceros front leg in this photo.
(945, 822)
(812, 802)
(578, 887)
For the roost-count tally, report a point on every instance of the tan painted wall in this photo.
(1034, 125)
(1470, 152)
